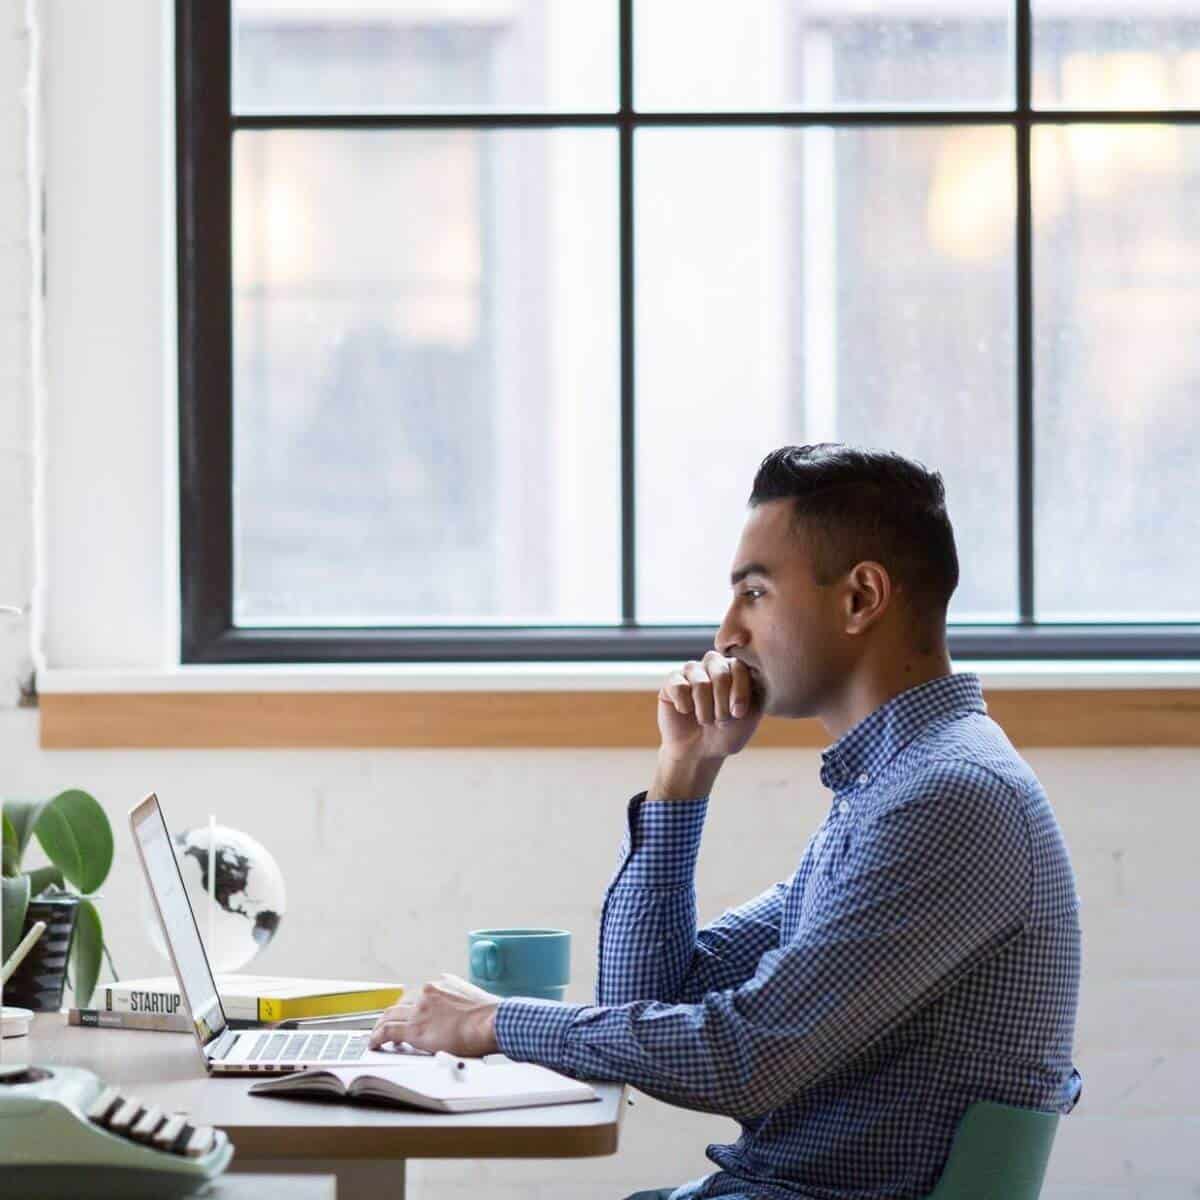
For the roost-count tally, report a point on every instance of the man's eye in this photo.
(751, 593)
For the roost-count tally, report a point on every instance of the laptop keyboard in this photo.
(308, 1047)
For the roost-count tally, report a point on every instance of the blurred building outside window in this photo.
(427, 393)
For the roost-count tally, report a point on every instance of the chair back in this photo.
(999, 1153)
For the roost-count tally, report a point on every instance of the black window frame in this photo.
(205, 127)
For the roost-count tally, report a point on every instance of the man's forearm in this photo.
(684, 778)
(648, 920)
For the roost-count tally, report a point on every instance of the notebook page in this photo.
(506, 1080)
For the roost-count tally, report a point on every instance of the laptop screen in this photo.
(178, 920)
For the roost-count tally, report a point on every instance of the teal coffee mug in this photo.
(521, 962)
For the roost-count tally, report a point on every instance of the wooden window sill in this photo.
(536, 707)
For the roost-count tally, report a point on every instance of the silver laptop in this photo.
(227, 1051)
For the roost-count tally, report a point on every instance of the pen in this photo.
(456, 1066)
(26, 944)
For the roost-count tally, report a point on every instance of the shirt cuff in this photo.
(663, 841)
(535, 1030)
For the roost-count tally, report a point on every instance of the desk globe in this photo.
(239, 912)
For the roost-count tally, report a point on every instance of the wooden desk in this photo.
(365, 1147)
(273, 1187)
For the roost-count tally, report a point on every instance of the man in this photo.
(926, 952)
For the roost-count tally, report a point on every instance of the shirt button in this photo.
(844, 807)
(864, 778)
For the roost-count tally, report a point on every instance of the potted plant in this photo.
(74, 832)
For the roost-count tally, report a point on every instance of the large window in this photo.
(490, 308)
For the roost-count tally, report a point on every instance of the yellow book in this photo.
(258, 997)
(328, 1002)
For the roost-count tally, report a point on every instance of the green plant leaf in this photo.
(23, 816)
(14, 900)
(60, 843)
(10, 852)
(86, 949)
(76, 836)
(40, 878)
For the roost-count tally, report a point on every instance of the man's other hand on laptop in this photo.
(449, 1014)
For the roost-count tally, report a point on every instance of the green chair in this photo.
(999, 1153)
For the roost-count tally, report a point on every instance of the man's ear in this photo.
(868, 594)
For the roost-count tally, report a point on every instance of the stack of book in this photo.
(261, 999)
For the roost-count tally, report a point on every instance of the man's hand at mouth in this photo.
(707, 710)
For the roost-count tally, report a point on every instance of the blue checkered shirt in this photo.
(925, 954)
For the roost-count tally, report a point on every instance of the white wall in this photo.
(390, 856)
(16, 349)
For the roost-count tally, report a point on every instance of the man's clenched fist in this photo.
(707, 711)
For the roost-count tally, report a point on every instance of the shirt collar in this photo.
(876, 739)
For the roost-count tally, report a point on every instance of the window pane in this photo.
(782, 54)
(393, 55)
(426, 377)
(1089, 55)
(1117, 326)
(799, 286)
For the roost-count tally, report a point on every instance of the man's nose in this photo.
(730, 636)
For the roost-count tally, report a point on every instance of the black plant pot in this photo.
(38, 982)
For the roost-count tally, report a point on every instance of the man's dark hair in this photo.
(856, 505)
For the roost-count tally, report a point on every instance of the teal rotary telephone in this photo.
(63, 1134)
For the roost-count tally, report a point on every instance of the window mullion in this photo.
(1023, 65)
(628, 448)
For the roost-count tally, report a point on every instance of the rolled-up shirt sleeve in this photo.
(928, 890)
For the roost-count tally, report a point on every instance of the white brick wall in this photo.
(16, 341)
(391, 856)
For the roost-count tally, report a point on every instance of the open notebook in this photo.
(426, 1082)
